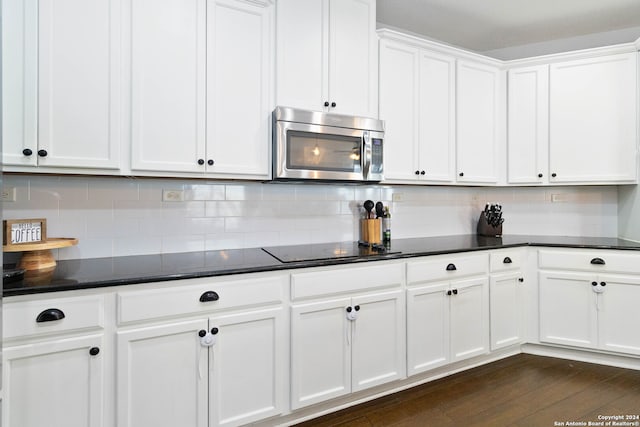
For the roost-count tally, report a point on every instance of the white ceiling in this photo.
(487, 25)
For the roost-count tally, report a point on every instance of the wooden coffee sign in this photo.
(22, 231)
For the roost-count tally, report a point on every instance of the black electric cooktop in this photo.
(327, 251)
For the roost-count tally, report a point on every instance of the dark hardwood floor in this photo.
(522, 390)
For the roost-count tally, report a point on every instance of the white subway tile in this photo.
(189, 243)
(204, 192)
(137, 245)
(243, 192)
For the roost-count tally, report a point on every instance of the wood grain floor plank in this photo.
(523, 390)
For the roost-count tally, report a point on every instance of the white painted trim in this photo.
(588, 356)
(434, 46)
(416, 41)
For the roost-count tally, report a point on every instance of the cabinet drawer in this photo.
(505, 260)
(624, 262)
(447, 267)
(72, 314)
(345, 280)
(185, 299)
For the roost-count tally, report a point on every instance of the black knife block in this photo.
(485, 229)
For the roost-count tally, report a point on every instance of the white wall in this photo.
(126, 216)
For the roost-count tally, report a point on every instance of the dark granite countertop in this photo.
(116, 271)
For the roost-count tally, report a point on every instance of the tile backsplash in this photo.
(127, 216)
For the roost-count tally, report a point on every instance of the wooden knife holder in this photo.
(486, 229)
(371, 231)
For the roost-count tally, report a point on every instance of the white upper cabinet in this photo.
(61, 84)
(417, 89)
(168, 40)
(19, 81)
(327, 56)
(593, 119)
(206, 110)
(239, 82)
(478, 122)
(528, 125)
(399, 109)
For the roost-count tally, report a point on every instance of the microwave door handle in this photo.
(366, 154)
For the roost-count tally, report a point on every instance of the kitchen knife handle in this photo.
(209, 296)
(598, 261)
(50, 315)
(507, 260)
(451, 267)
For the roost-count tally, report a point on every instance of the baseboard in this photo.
(589, 356)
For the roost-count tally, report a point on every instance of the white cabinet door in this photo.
(162, 376)
(507, 309)
(168, 42)
(528, 125)
(437, 117)
(378, 336)
(593, 120)
(327, 56)
(568, 309)
(246, 367)
(79, 83)
(417, 103)
(427, 327)
(19, 81)
(320, 352)
(477, 122)
(353, 59)
(617, 309)
(399, 110)
(56, 384)
(302, 53)
(67, 71)
(469, 307)
(239, 73)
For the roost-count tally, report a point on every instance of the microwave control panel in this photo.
(376, 155)
(376, 151)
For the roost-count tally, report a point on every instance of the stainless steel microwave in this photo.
(325, 146)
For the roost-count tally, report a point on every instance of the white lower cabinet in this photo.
(506, 298)
(54, 383)
(588, 299)
(447, 310)
(446, 322)
(54, 358)
(211, 353)
(507, 309)
(345, 345)
(246, 370)
(162, 376)
(591, 311)
(469, 317)
(427, 327)
(168, 377)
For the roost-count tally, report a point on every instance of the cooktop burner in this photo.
(327, 251)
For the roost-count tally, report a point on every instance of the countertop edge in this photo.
(166, 277)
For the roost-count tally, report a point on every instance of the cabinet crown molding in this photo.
(420, 42)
